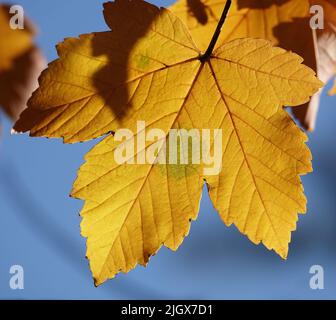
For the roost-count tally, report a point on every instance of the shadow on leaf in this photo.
(198, 9)
(112, 81)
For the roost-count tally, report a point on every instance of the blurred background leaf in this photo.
(21, 62)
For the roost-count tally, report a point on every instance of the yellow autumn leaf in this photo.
(21, 62)
(285, 23)
(148, 69)
(14, 42)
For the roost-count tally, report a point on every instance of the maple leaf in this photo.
(130, 210)
(21, 62)
(284, 22)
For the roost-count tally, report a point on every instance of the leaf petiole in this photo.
(217, 32)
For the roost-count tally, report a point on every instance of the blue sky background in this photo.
(39, 223)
